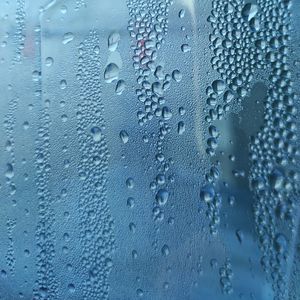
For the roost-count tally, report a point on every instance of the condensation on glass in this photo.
(149, 149)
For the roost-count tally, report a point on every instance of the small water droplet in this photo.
(49, 61)
(165, 250)
(207, 193)
(63, 84)
(113, 41)
(177, 76)
(67, 38)
(185, 48)
(181, 128)
(181, 13)
(120, 87)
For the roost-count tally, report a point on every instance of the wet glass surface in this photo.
(149, 149)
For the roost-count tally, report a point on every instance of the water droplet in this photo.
(3, 274)
(111, 73)
(181, 13)
(124, 136)
(63, 9)
(130, 183)
(185, 48)
(165, 250)
(177, 76)
(207, 193)
(218, 86)
(157, 88)
(71, 288)
(181, 128)
(280, 243)
(120, 87)
(162, 196)
(49, 61)
(9, 173)
(130, 202)
(166, 113)
(67, 38)
(26, 125)
(276, 179)
(63, 84)
(113, 41)
(96, 132)
(239, 235)
(254, 24)
(249, 11)
(140, 293)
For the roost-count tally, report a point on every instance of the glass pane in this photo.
(149, 149)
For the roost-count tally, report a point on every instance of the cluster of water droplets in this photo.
(9, 125)
(10, 255)
(46, 285)
(112, 70)
(226, 275)
(96, 224)
(80, 3)
(249, 37)
(147, 27)
(19, 34)
(273, 151)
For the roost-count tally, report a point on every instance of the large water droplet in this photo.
(218, 86)
(181, 128)
(162, 196)
(113, 41)
(111, 73)
(124, 136)
(249, 11)
(9, 173)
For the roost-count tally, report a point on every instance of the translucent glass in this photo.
(149, 149)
